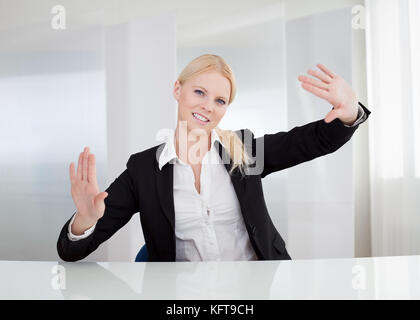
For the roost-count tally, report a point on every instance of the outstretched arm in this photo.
(303, 143)
(120, 205)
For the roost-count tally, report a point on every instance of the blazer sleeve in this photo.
(120, 205)
(286, 149)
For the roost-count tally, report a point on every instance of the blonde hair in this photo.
(233, 144)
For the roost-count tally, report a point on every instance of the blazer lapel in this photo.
(165, 190)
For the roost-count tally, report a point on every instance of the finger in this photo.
(314, 82)
(316, 91)
(85, 164)
(79, 167)
(72, 173)
(92, 168)
(321, 76)
(326, 70)
(332, 115)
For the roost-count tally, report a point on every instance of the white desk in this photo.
(360, 278)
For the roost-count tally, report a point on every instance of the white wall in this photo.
(140, 72)
(52, 100)
(320, 192)
(362, 231)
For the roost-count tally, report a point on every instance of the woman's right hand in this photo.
(85, 192)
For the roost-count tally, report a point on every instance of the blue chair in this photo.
(143, 255)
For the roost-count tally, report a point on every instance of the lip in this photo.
(198, 119)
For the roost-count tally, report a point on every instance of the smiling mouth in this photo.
(200, 118)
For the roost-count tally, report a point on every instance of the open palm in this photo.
(334, 89)
(85, 191)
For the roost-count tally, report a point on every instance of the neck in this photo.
(191, 147)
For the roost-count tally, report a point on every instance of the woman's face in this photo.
(203, 100)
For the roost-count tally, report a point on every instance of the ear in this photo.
(177, 90)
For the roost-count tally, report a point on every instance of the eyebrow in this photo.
(206, 91)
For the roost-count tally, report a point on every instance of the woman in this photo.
(193, 204)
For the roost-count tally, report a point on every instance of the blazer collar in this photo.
(168, 153)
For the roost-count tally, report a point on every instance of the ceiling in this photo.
(25, 24)
(19, 13)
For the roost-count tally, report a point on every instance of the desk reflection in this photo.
(157, 280)
(353, 278)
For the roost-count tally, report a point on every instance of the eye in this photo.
(222, 102)
(199, 91)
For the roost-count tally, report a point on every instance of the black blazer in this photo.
(143, 188)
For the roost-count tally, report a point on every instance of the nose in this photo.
(207, 107)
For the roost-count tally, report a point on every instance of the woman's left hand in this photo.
(334, 89)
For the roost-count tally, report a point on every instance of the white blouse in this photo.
(208, 225)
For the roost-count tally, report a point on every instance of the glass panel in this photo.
(52, 92)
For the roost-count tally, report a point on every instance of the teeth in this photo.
(200, 117)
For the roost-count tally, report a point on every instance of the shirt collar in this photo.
(168, 153)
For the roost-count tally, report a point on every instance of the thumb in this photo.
(104, 195)
(332, 115)
(100, 197)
